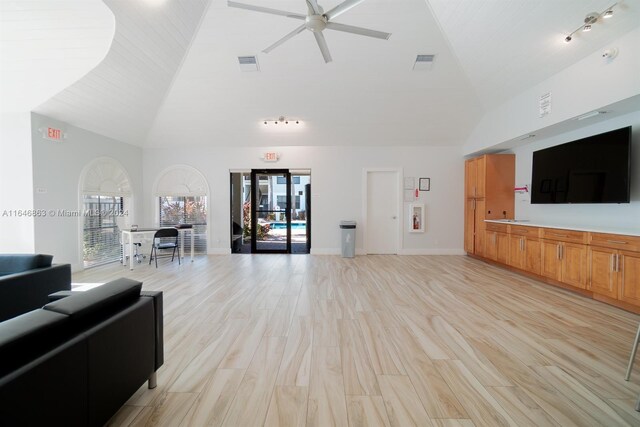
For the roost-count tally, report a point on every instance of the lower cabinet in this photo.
(629, 277)
(615, 274)
(605, 264)
(497, 246)
(565, 262)
(603, 278)
(524, 253)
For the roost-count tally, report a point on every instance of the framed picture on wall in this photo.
(416, 218)
(425, 184)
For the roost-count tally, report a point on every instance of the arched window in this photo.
(181, 194)
(106, 199)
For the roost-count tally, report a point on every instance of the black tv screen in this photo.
(589, 170)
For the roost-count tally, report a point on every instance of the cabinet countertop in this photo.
(591, 229)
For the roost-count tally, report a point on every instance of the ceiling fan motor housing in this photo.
(315, 23)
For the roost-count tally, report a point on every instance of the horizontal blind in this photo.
(192, 210)
(101, 235)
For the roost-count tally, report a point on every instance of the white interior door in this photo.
(382, 212)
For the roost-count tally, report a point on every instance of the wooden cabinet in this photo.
(606, 266)
(474, 227)
(489, 182)
(524, 248)
(628, 267)
(563, 261)
(603, 278)
(615, 273)
(496, 244)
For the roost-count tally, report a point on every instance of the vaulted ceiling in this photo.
(171, 75)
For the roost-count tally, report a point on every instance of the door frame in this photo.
(365, 204)
(254, 218)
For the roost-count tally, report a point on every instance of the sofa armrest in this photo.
(61, 294)
(29, 290)
(159, 321)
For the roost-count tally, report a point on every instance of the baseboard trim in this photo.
(218, 251)
(431, 251)
(423, 251)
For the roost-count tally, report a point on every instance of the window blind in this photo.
(101, 235)
(186, 210)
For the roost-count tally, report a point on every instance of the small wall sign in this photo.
(270, 157)
(53, 134)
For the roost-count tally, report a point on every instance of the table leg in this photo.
(130, 252)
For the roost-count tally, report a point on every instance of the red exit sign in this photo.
(53, 134)
(270, 157)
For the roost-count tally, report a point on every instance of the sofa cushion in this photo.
(16, 263)
(99, 301)
(27, 336)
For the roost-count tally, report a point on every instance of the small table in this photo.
(127, 237)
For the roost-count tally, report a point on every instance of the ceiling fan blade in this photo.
(292, 34)
(313, 7)
(358, 30)
(342, 8)
(266, 10)
(322, 44)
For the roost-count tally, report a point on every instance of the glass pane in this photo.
(299, 213)
(271, 233)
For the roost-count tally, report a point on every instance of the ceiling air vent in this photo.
(248, 63)
(424, 62)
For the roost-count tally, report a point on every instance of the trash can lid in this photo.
(347, 224)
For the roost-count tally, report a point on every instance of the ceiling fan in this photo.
(316, 21)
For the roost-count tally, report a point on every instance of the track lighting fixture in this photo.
(281, 120)
(591, 19)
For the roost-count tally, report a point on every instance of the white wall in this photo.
(588, 85)
(610, 216)
(336, 182)
(16, 184)
(57, 167)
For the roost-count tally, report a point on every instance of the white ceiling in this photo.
(509, 45)
(120, 97)
(46, 45)
(368, 95)
(171, 77)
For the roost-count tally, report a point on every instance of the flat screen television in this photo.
(595, 169)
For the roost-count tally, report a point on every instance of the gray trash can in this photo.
(348, 229)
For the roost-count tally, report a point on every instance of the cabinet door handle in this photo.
(618, 263)
(618, 242)
(611, 263)
(558, 251)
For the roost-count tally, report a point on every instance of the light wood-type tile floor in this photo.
(294, 340)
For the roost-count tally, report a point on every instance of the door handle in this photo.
(618, 263)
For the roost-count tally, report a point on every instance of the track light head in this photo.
(568, 39)
(608, 14)
(586, 28)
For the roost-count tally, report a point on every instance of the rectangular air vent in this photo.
(248, 63)
(424, 62)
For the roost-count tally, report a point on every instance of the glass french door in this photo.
(270, 211)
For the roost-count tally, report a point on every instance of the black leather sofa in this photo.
(78, 359)
(26, 280)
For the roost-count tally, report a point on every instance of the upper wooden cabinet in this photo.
(489, 183)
